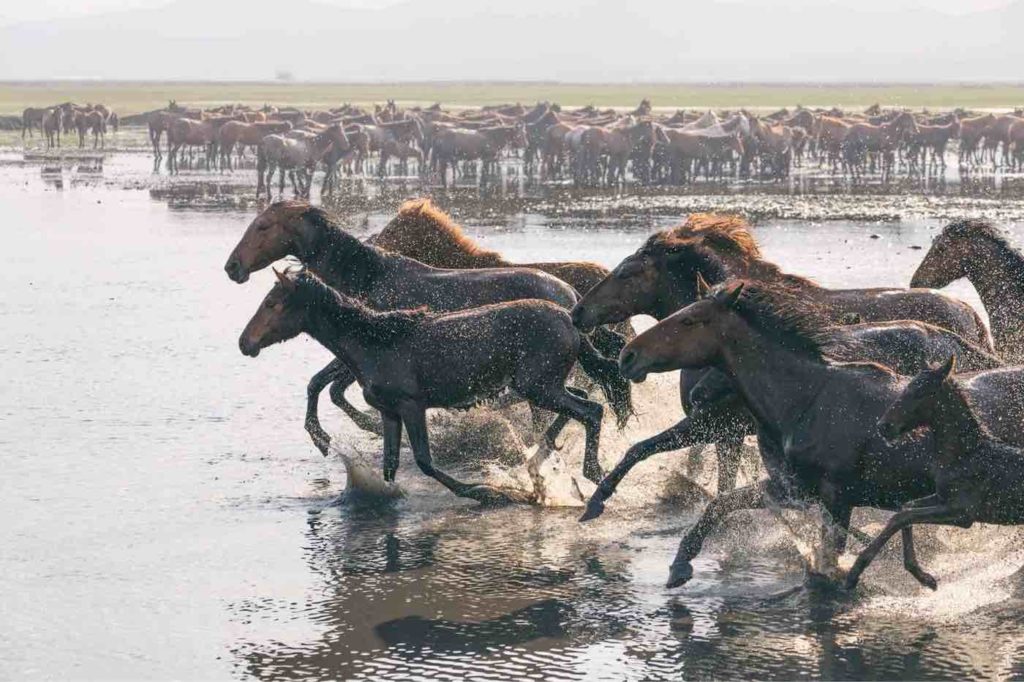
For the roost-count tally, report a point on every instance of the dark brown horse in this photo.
(978, 478)
(386, 281)
(409, 361)
(816, 417)
(976, 250)
(661, 277)
(904, 346)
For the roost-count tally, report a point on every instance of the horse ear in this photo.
(730, 295)
(948, 367)
(287, 282)
(703, 288)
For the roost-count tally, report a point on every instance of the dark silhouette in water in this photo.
(409, 361)
(661, 277)
(976, 250)
(384, 281)
(977, 478)
(816, 417)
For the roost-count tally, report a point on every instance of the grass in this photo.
(135, 97)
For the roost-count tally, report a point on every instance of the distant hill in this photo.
(566, 40)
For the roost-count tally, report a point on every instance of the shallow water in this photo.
(164, 512)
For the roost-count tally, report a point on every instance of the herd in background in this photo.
(589, 146)
(68, 118)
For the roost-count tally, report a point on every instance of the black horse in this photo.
(408, 361)
(977, 478)
(816, 417)
(386, 281)
(661, 277)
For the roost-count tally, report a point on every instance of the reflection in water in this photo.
(168, 485)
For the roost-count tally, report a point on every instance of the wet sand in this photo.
(164, 509)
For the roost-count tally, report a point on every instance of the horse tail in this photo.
(606, 373)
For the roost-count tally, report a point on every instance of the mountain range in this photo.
(566, 40)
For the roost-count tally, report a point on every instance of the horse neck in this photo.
(997, 273)
(957, 431)
(777, 384)
(336, 327)
(343, 261)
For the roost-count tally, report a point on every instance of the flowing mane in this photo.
(352, 317)
(423, 231)
(780, 313)
(968, 228)
(723, 247)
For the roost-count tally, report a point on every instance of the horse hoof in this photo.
(595, 507)
(927, 580)
(679, 574)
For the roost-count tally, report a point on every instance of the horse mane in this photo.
(781, 313)
(977, 227)
(425, 232)
(712, 236)
(351, 317)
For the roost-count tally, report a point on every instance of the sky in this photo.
(12, 11)
(564, 40)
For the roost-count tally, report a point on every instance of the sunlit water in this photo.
(163, 514)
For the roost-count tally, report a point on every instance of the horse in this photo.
(816, 416)
(689, 151)
(661, 277)
(978, 478)
(972, 130)
(934, 139)
(387, 281)
(862, 139)
(245, 135)
(905, 346)
(460, 144)
(297, 152)
(91, 121)
(409, 361)
(51, 126)
(32, 117)
(975, 249)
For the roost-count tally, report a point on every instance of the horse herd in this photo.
(591, 147)
(896, 399)
(68, 118)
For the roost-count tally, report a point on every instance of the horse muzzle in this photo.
(248, 348)
(632, 366)
(235, 271)
(581, 320)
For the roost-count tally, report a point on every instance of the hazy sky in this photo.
(12, 11)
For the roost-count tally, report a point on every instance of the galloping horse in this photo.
(975, 250)
(816, 418)
(978, 478)
(661, 277)
(409, 361)
(385, 281)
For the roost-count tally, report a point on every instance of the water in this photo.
(165, 516)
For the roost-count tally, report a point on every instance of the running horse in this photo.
(387, 281)
(976, 250)
(816, 417)
(661, 277)
(409, 361)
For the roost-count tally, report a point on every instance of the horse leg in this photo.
(944, 514)
(679, 436)
(392, 444)
(342, 381)
(559, 400)
(316, 385)
(751, 497)
(415, 419)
